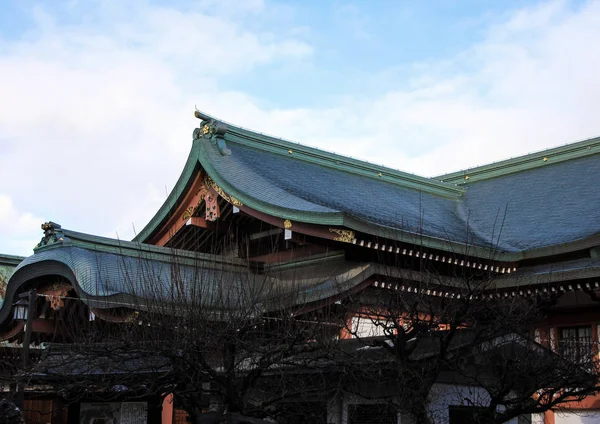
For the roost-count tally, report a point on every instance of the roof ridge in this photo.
(334, 160)
(134, 249)
(10, 259)
(533, 160)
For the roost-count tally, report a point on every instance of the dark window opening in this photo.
(302, 413)
(466, 415)
(375, 413)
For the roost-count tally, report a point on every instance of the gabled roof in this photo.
(533, 207)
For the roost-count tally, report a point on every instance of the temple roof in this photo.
(108, 273)
(536, 205)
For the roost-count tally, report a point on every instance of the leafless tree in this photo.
(226, 342)
(233, 343)
(419, 328)
(9, 413)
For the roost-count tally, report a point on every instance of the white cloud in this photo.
(530, 84)
(21, 229)
(97, 118)
(95, 121)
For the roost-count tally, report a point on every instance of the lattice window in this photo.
(576, 343)
(37, 411)
(181, 417)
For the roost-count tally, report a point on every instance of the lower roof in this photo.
(109, 273)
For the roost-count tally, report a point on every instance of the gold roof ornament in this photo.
(346, 236)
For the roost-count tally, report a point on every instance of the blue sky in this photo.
(97, 95)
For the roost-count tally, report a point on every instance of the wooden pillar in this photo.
(167, 409)
(549, 417)
(553, 339)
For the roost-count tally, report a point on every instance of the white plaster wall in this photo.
(538, 419)
(365, 327)
(583, 417)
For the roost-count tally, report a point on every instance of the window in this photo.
(373, 413)
(302, 413)
(575, 343)
(465, 415)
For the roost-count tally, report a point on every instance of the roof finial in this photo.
(52, 234)
(213, 130)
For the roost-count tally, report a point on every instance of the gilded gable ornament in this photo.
(230, 199)
(346, 236)
(213, 211)
(187, 213)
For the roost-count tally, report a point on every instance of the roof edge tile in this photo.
(522, 163)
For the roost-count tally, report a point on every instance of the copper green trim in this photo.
(524, 163)
(319, 259)
(552, 274)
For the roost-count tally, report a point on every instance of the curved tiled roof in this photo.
(541, 207)
(310, 192)
(528, 206)
(109, 273)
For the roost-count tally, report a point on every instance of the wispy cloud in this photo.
(95, 121)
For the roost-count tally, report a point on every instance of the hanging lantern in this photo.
(21, 310)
